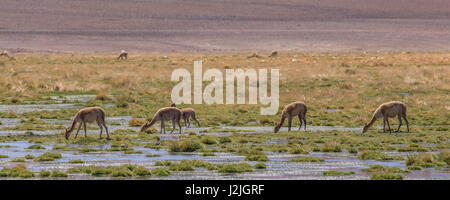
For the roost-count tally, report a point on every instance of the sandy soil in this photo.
(224, 26)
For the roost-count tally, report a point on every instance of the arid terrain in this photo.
(224, 26)
(342, 58)
(42, 93)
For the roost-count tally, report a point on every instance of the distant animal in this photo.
(165, 114)
(291, 110)
(157, 141)
(274, 54)
(123, 55)
(186, 114)
(389, 110)
(4, 53)
(88, 115)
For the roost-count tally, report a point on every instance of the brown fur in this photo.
(186, 114)
(123, 55)
(386, 111)
(291, 110)
(88, 115)
(165, 114)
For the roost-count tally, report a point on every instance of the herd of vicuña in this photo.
(174, 114)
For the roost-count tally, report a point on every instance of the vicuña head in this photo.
(67, 133)
(277, 128)
(145, 127)
(365, 128)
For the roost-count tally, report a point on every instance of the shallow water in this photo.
(278, 166)
(22, 108)
(269, 129)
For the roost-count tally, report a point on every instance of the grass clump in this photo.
(386, 176)
(48, 157)
(413, 148)
(17, 171)
(163, 163)
(260, 165)
(385, 173)
(57, 173)
(102, 96)
(337, 173)
(208, 154)
(375, 155)
(4, 156)
(29, 157)
(152, 155)
(353, 150)
(383, 169)
(44, 174)
(428, 160)
(224, 140)
(331, 147)
(307, 159)
(209, 140)
(76, 161)
(444, 156)
(161, 172)
(297, 150)
(188, 165)
(136, 122)
(235, 168)
(87, 150)
(185, 146)
(127, 170)
(36, 146)
(257, 157)
(18, 160)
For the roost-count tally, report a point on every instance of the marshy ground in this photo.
(41, 93)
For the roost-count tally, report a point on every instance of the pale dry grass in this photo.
(356, 83)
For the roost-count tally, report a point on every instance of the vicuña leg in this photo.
(173, 126)
(304, 121)
(188, 121)
(400, 123)
(407, 124)
(107, 133)
(101, 128)
(79, 127)
(195, 119)
(85, 131)
(300, 119)
(289, 123)
(389, 127)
